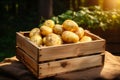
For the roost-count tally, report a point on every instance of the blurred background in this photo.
(23, 15)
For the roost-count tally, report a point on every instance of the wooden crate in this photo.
(52, 60)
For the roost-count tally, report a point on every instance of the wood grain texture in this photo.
(71, 50)
(25, 44)
(59, 52)
(67, 65)
(27, 61)
(48, 61)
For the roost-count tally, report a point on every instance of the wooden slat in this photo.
(27, 60)
(62, 66)
(63, 51)
(71, 50)
(87, 74)
(25, 44)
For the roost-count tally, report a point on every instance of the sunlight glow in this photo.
(118, 1)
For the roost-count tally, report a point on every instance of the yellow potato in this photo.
(44, 40)
(70, 37)
(53, 39)
(80, 32)
(37, 39)
(86, 39)
(70, 25)
(45, 30)
(49, 23)
(57, 29)
(34, 31)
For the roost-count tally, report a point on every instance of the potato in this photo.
(70, 37)
(86, 39)
(44, 40)
(70, 25)
(57, 29)
(80, 32)
(45, 30)
(49, 23)
(34, 31)
(53, 39)
(37, 39)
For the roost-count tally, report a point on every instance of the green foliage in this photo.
(91, 17)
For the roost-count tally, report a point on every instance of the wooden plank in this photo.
(87, 74)
(25, 44)
(71, 50)
(62, 66)
(62, 51)
(74, 49)
(27, 60)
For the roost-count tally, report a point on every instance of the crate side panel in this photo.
(73, 50)
(93, 36)
(25, 44)
(27, 61)
(62, 66)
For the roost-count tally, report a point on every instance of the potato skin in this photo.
(34, 31)
(57, 29)
(51, 34)
(80, 32)
(86, 39)
(37, 39)
(44, 40)
(45, 30)
(49, 23)
(70, 25)
(52, 40)
(70, 37)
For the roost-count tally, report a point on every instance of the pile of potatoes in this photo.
(51, 34)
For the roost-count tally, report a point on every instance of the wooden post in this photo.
(74, 4)
(45, 8)
(91, 2)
